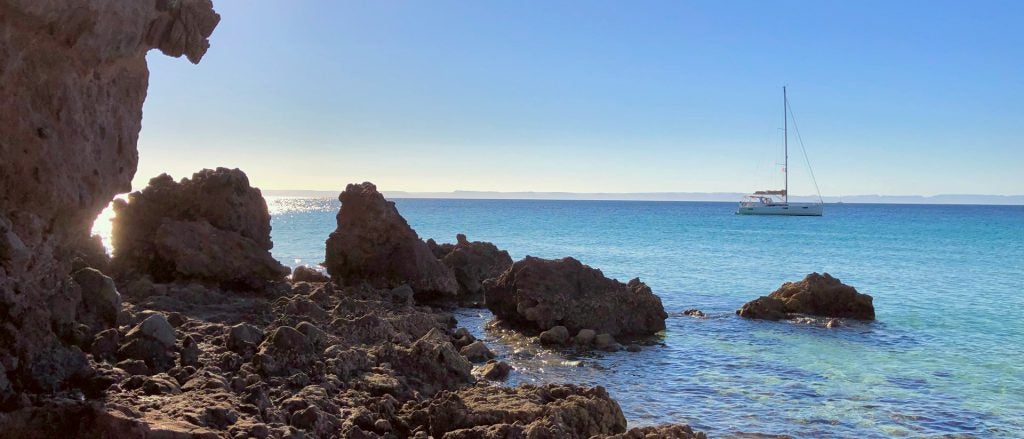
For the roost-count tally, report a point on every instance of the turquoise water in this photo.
(944, 357)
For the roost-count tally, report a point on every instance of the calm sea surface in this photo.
(944, 358)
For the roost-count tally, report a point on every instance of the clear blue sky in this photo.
(904, 97)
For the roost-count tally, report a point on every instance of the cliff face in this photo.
(73, 78)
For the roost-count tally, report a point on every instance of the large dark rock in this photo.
(542, 293)
(374, 244)
(472, 263)
(73, 79)
(816, 295)
(212, 228)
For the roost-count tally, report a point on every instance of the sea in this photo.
(945, 357)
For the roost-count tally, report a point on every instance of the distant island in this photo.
(1011, 200)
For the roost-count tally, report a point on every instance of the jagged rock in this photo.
(244, 337)
(816, 295)
(473, 263)
(190, 351)
(432, 362)
(496, 370)
(542, 293)
(476, 352)
(562, 411)
(557, 335)
(152, 342)
(693, 312)
(284, 352)
(101, 303)
(105, 344)
(212, 228)
(585, 337)
(374, 244)
(303, 273)
(71, 93)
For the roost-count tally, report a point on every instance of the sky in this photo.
(907, 97)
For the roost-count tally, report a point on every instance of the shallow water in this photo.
(944, 357)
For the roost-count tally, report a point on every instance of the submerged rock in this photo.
(212, 228)
(816, 295)
(542, 294)
(375, 245)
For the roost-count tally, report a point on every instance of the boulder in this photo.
(476, 352)
(213, 228)
(558, 335)
(605, 342)
(473, 263)
(542, 293)
(585, 337)
(152, 341)
(495, 370)
(285, 352)
(101, 303)
(816, 295)
(73, 82)
(375, 245)
(303, 273)
(244, 339)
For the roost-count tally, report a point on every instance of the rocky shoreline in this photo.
(193, 329)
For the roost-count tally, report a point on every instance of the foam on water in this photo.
(945, 357)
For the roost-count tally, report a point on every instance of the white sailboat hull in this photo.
(785, 209)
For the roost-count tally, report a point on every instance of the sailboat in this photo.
(776, 202)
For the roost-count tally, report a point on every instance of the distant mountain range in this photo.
(671, 196)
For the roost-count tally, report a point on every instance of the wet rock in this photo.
(303, 273)
(833, 323)
(374, 244)
(604, 341)
(74, 81)
(476, 352)
(541, 294)
(694, 312)
(585, 337)
(212, 228)
(557, 335)
(496, 370)
(633, 348)
(473, 263)
(816, 295)
(674, 431)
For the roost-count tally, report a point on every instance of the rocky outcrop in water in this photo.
(541, 294)
(815, 295)
(373, 244)
(212, 228)
(472, 262)
(72, 83)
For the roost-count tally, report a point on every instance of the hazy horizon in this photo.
(890, 98)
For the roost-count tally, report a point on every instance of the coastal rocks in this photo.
(557, 335)
(541, 294)
(152, 342)
(552, 410)
(472, 263)
(286, 351)
(101, 303)
(817, 295)
(375, 245)
(694, 312)
(213, 228)
(73, 82)
(303, 273)
(476, 352)
(495, 370)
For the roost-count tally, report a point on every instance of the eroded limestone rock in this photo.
(816, 295)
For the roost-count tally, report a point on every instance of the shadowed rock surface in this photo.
(212, 228)
(72, 83)
(816, 295)
(375, 245)
(472, 263)
(542, 293)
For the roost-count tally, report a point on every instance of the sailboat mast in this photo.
(785, 142)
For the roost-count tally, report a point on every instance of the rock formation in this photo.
(472, 263)
(816, 295)
(541, 294)
(373, 244)
(72, 83)
(212, 228)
